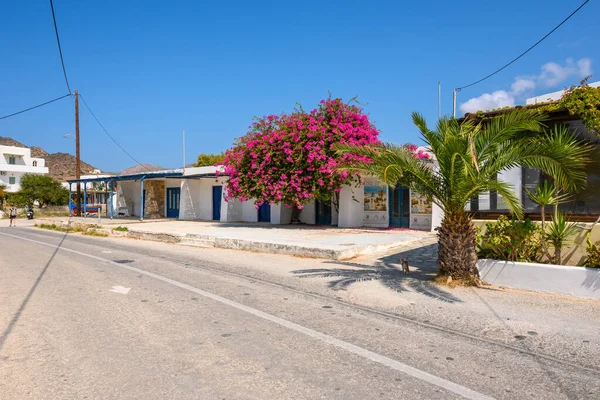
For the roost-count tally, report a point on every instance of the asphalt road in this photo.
(99, 319)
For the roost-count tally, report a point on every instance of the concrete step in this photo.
(197, 241)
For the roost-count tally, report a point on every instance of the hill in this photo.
(61, 166)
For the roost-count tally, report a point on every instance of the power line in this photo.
(526, 51)
(59, 48)
(34, 107)
(109, 135)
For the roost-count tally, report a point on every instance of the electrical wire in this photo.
(110, 136)
(34, 107)
(59, 48)
(526, 51)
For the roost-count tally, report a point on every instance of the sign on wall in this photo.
(375, 203)
(420, 211)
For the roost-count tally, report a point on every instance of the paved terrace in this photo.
(299, 240)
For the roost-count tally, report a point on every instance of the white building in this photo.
(584, 206)
(554, 96)
(16, 162)
(200, 194)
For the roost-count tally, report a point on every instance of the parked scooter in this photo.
(29, 213)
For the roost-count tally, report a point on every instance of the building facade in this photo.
(16, 162)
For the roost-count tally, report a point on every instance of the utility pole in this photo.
(77, 154)
(454, 103)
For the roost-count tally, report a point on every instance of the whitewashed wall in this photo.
(234, 210)
(249, 211)
(308, 214)
(189, 205)
(351, 206)
(196, 199)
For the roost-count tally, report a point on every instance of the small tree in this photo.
(43, 189)
(291, 159)
(17, 199)
(207, 160)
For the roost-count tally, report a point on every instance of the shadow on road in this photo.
(21, 308)
(388, 271)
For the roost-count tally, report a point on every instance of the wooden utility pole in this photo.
(77, 154)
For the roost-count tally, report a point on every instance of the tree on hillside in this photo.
(43, 189)
(207, 160)
(469, 156)
(290, 158)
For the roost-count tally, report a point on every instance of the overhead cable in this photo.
(526, 51)
(34, 107)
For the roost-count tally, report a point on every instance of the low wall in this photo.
(558, 279)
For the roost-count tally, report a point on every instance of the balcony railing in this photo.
(23, 168)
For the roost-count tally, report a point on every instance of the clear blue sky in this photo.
(151, 68)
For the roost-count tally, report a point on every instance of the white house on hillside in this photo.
(16, 162)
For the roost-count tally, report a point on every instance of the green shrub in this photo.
(558, 233)
(593, 254)
(121, 229)
(510, 240)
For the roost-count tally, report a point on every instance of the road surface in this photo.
(107, 319)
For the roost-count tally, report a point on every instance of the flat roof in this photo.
(174, 173)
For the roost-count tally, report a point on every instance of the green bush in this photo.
(121, 229)
(510, 240)
(593, 254)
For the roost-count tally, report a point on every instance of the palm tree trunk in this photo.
(545, 252)
(457, 255)
(295, 215)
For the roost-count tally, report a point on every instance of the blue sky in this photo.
(151, 68)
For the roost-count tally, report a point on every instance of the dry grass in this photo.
(447, 281)
(94, 232)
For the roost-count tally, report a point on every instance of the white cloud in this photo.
(488, 101)
(521, 85)
(552, 74)
(585, 67)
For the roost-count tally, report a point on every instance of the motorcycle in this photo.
(29, 213)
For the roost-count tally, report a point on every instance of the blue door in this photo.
(399, 206)
(264, 212)
(173, 196)
(217, 195)
(323, 213)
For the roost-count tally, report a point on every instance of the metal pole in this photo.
(70, 199)
(439, 99)
(112, 186)
(77, 153)
(84, 198)
(142, 200)
(454, 104)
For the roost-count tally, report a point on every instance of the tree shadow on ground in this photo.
(388, 271)
(592, 279)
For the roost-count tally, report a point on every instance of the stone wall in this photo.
(155, 199)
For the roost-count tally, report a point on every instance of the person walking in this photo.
(13, 216)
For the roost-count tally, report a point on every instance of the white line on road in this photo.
(369, 355)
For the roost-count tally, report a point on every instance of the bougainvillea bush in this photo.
(290, 158)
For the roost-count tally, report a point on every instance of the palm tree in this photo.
(469, 156)
(547, 195)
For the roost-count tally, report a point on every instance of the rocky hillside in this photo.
(61, 166)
